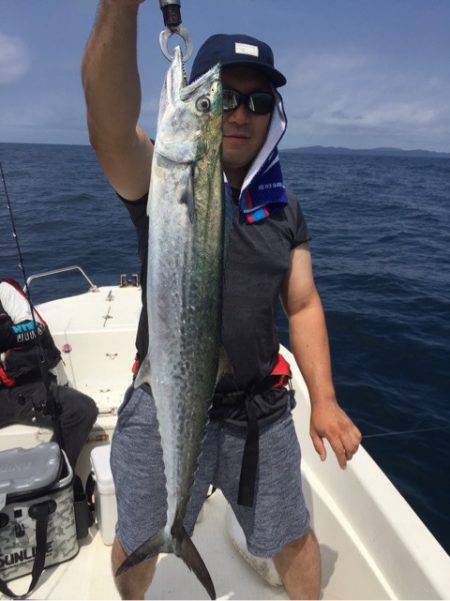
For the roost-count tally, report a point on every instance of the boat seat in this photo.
(106, 399)
(98, 360)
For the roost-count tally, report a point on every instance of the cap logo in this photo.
(246, 49)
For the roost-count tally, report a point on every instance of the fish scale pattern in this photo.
(185, 275)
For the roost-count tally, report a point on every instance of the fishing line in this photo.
(54, 404)
(406, 432)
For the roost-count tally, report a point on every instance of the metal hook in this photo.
(184, 35)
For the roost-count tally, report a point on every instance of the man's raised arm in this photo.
(113, 98)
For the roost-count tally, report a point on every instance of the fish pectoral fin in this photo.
(143, 375)
(188, 197)
(152, 547)
(185, 549)
(224, 364)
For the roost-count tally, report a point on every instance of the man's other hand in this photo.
(329, 421)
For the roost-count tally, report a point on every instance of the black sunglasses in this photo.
(260, 103)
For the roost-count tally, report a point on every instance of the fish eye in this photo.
(203, 104)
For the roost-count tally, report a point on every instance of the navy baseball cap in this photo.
(233, 50)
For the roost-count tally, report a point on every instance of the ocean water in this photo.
(380, 246)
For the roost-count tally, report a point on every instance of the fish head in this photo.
(190, 119)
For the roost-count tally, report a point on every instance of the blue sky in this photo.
(361, 73)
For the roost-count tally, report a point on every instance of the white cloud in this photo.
(348, 98)
(27, 116)
(58, 118)
(14, 60)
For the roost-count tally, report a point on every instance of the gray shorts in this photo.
(279, 514)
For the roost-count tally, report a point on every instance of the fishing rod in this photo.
(52, 402)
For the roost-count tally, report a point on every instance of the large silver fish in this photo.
(185, 261)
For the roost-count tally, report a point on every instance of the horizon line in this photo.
(281, 149)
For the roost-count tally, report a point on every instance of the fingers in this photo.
(332, 423)
(348, 443)
(344, 445)
(318, 445)
(339, 450)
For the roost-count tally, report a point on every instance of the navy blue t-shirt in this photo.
(257, 261)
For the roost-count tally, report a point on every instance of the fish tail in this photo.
(185, 549)
(159, 543)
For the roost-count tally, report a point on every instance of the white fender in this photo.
(264, 567)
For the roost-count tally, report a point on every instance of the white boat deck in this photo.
(373, 546)
(88, 576)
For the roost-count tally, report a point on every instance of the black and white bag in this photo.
(37, 521)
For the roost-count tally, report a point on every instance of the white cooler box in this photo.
(105, 496)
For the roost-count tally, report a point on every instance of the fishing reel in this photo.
(171, 10)
(42, 398)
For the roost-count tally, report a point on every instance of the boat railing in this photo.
(43, 274)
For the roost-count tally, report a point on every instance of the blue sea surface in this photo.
(380, 247)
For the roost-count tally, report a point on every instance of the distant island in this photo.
(322, 150)
(368, 152)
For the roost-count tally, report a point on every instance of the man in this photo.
(267, 255)
(24, 398)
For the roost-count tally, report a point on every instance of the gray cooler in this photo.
(37, 521)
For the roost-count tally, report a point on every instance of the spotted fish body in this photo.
(185, 261)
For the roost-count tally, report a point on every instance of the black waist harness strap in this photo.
(249, 468)
(249, 411)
